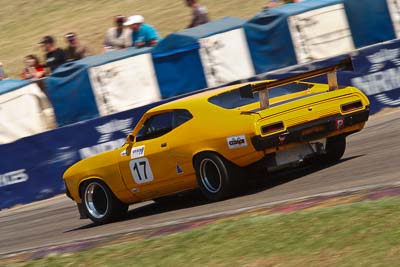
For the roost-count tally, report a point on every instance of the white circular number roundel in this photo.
(141, 170)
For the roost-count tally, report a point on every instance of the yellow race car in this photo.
(206, 140)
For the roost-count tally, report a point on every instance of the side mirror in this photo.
(130, 139)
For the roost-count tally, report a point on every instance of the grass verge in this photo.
(359, 234)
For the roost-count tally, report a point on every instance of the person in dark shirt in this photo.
(75, 49)
(54, 56)
(199, 13)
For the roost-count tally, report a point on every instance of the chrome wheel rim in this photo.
(96, 200)
(210, 175)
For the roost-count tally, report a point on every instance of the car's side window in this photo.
(160, 124)
(156, 126)
(181, 116)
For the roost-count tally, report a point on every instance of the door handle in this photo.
(164, 145)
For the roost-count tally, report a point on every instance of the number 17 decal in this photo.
(141, 170)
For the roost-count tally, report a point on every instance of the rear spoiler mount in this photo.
(262, 88)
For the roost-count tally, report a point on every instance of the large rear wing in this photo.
(262, 88)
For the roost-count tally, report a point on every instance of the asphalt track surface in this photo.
(372, 158)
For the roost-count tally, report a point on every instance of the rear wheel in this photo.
(215, 176)
(335, 147)
(100, 204)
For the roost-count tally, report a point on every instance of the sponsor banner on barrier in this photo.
(378, 74)
(219, 65)
(107, 137)
(24, 111)
(14, 177)
(124, 84)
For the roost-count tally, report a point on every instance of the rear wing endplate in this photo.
(262, 88)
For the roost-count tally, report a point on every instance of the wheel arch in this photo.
(199, 153)
(84, 181)
(218, 187)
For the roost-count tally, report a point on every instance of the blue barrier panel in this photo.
(69, 90)
(174, 74)
(369, 21)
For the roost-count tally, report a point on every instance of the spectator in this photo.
(75, 49)
(3, 75)
(199, 13)
(54, 56)
(33, 70)
(117, 37)
(142, 34)
(272, 4)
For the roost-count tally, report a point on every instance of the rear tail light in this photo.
(271, 128)
(352, 106)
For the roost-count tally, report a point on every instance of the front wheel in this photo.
(100, 204)
(215, 176)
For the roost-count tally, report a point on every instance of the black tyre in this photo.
(100, 204)
(335, 147)
(215, 176)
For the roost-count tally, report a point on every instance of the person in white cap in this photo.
(142, 34)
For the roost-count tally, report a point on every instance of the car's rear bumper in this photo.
(296, 134)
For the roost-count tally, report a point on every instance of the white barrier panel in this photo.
(394, 10)
(320, 33)
(25, 111)
(226, 57)
(124, 84)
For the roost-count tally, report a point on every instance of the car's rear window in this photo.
(232, 99)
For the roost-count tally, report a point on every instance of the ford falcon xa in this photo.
(210, 139)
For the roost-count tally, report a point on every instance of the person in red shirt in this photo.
(33, 70)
